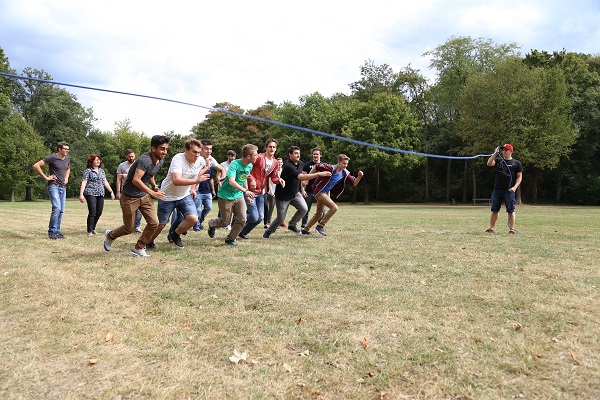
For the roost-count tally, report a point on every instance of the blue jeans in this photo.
(256, 213)
(58, 197)
(181, 207)
(203, 203)
(138, 218)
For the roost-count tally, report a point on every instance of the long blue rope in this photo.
(268, 121)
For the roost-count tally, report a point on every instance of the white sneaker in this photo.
(107, 241)
(228, 227)
(138, 230)
(139, 253)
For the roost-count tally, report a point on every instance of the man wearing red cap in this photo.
(509, 173)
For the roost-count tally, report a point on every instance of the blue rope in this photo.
(268, 121)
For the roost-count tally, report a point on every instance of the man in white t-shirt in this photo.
(187, 169)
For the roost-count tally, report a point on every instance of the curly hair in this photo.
(90, 160)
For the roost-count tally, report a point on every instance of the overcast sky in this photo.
(250, 52)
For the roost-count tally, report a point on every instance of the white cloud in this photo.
(247, 53)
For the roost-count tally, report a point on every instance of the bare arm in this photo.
(137, 181)
(38, 168)
(107, 186)
(517, 183)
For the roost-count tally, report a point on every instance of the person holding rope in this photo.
(509, 173)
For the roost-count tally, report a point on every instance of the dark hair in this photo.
(316, 149)
(129, 151)
(291, 149)
(271, 140)
(60, 145)
(231, 153)
(206, 142)
(90, 160)
(192, 142)
(157, 140)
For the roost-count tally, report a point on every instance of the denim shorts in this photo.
(500, 196)
(186, 206)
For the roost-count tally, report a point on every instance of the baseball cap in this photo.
(507, 146)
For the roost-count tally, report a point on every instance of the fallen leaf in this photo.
(109, 336)
(287, 367)
(574, 359)
(537, 356)
(370, 374)
(318, 393)
(365, 344)
(237, 356)
(304, 353)
(92, 361)
(516, 326)
(299, 320)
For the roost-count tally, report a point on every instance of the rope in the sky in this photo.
(268, 121)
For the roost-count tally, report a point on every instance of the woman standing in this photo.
(92, 190)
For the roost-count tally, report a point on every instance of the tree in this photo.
(527, 107)
(20, 148)
(457, 60)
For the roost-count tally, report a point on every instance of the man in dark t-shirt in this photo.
(509, 173)
(136, 195)
(291, 174)
(59, 166)
(308, 194)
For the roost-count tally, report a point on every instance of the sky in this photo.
(249, 52)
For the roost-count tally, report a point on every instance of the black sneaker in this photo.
(151, 246)
(305, 232)
(60, 236)
(320, 230)
(211, 231)
(177, 240)
(294, 229)
(230, 242)
(266, 234)
(169, 238)
(243, 236)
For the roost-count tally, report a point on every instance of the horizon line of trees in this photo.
(485, 94)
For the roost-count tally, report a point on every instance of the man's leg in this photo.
(239, 210)
(224, 212)
(497, 199)
(187, 208)
(282, 207)
(54, 224)
(206, 207)
(62, 192)
(331, 208)
(149, 213)
(317, 215)
(256, 212)
(129, 207)
(310, 197)
(301, 209)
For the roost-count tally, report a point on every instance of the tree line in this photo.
(485, 94)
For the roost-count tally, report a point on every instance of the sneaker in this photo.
(107, 241)
(151, 246)
(137, 229)
(139, 253)
(177, 240)
(295, 229)
(305, 232)
(230, 242)
(511, 232)
(52, 236)
(266, 226)
(266, 234)
(90, 234)
(201, 228)
(60, 236)
(490, 230)
(169, 238)
(283, 224)
(243, 236)
(228, 227)
(211, 231)
(321, 230)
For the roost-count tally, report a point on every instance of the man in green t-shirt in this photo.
(231, 195)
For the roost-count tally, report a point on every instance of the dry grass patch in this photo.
(407, 301)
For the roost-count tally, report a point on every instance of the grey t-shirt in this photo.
(57, 167)
(145, 163)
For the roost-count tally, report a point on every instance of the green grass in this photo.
(398, 301)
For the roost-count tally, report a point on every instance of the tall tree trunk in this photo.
(465, 180)
(427, 179)
(474, 182)
(28, 193)
(561, 173)
(366, 191)
(448, 176)
(377, 184)
(12, 196)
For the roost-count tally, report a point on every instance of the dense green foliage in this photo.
(485, 94)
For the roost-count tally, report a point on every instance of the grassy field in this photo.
(397, 302)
